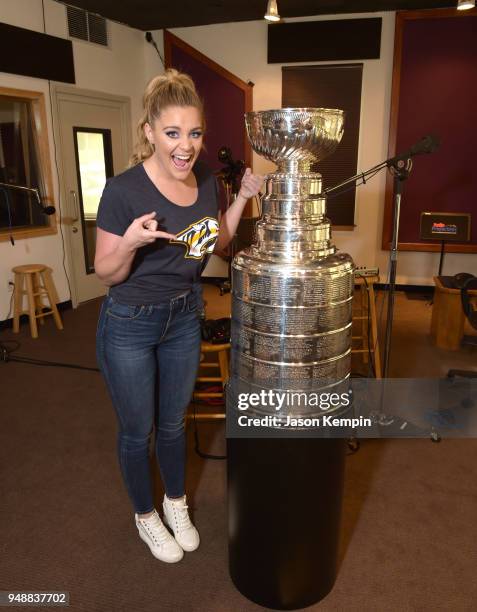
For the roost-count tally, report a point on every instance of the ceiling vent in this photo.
(87, 26)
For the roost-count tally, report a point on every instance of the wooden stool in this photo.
(39, 284)
(366, 291)
(222, 365)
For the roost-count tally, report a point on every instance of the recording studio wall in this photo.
(35, 54)
(435, 92)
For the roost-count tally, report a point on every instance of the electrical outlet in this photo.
(11, 285)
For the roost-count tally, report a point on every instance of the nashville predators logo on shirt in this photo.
(199, 238)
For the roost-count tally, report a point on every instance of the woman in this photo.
(156, 225)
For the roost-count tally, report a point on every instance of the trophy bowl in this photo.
(303, 135)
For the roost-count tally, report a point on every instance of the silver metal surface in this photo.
(75, 206)
(294, 138)
(292, 291)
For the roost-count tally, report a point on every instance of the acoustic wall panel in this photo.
(435, 92)
(36, 54)
(321, 41)
(331, 86)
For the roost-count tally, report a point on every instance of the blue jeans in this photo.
(149, 357)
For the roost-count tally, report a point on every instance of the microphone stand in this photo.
(228, 183)
(401, 169)
(229, 175)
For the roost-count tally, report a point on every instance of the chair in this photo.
(471, 314)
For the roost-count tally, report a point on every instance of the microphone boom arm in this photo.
(428, 144)
(48, 210)
(353, 179)
(33, 190)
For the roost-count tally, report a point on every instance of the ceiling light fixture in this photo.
(463, 5)
(272, 11)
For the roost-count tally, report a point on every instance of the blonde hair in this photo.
(172, 88)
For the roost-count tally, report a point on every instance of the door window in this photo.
(94, 164)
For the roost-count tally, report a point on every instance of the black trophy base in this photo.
(284, 505)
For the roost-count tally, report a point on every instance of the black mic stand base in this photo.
(441, 259)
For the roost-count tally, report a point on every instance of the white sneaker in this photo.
(177, 517)
(162, 544)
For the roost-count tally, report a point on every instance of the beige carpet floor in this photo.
(409, 536)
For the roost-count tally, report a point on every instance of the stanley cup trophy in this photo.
(291, 332)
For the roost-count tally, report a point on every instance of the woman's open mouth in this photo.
(181, 162)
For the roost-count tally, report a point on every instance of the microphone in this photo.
(427, 144)
(48, 210)
(225, 156)
(233, 169)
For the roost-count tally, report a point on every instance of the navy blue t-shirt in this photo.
(166, 268)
